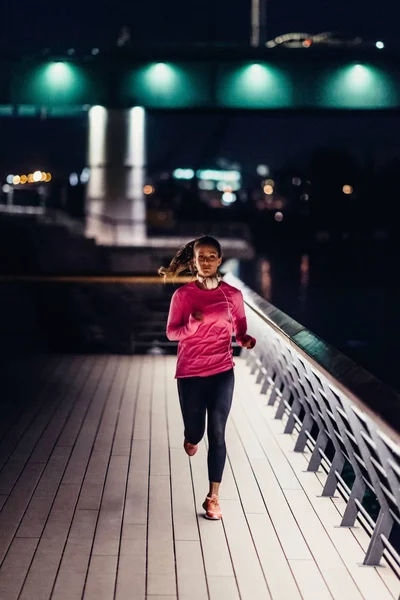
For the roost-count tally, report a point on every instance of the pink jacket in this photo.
(205, 346)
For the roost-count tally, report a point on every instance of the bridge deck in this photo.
(99, 501)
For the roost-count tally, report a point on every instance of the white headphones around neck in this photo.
(210, 283)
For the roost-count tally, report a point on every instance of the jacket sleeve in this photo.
(176, 328)
(240, 321)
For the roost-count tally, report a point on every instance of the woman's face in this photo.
(206, 260)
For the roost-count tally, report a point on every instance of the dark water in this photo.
(352, 302)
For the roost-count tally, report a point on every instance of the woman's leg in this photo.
(192, 398)
(219, 401)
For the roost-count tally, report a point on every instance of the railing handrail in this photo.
(351, 380)
(342, 413)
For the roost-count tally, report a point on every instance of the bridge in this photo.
(99, 501)
(117, 89)
(201, 78)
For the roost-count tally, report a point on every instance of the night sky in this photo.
(184, 140)
(38, 23)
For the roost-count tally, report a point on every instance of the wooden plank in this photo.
(35, 518)
(89, 421)
(161, 575)
(278, 574)
(108, 531)
(22, 452)
(367, 579)
(71, 576)
(384, 571)
(249, 574)
(86, 383)
(16, 412)
(18, 401)
(310, 581)
(223, 588)
(43, 570)
(175, 422)
(100, 583)
(15, 567)
(131, 574)
(16, 504)
(142, 418)
(159, 455)
(124, 431)
(106, 405)
(183, 507)
(328, 559)
(249, 491)
(190, 571)
(217, 558)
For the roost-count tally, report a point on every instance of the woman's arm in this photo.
(240, 323)
(176, 328)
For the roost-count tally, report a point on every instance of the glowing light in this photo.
(380, 45)
(228, 198)
(278, 217)
(43, 177)
(136, 159)
(73, 179)
(16, 179)
(207, 185)
(307, 43)
(98, 117)
(59, 73)
(216, 175)
(37, 176)
(347, 189)
(95, 51)
(296, 181)
(6, 188)
(48, 177)
(30, 178)
(268, 189)
(24, 179)
(183, 174)
(148, 190)
(85, 175)
(263, 170)
(9, 179)
(360, 74)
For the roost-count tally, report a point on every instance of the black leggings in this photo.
(211, 395)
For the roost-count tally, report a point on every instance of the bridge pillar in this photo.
(115, 206)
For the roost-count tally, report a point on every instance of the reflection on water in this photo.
(265, 277)
(352, 307)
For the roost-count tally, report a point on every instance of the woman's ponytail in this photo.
(181, 263)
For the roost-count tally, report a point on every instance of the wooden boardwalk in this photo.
(98, 500)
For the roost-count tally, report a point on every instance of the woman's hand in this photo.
(198, 315)
(248, 342)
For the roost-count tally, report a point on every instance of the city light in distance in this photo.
(347, 189)
(296, 181)
(268, 189)
(380, 45)
(263, 170)
(36, 177)
(183, 174)
(148, 190)
(278, 217)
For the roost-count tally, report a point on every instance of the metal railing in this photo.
(348, 419)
